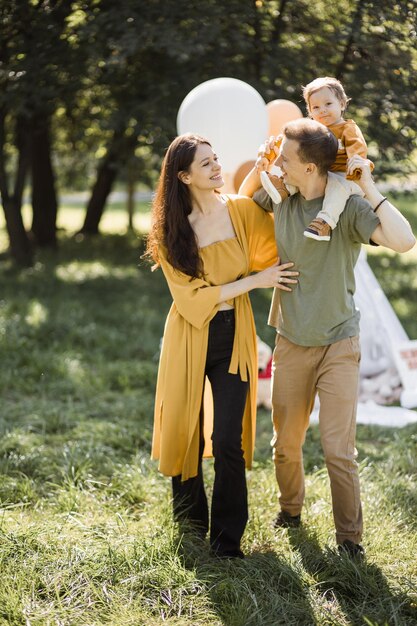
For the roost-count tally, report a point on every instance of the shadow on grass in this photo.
(263, 589)
(359, 588)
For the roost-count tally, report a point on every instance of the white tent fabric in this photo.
(379, 325)
(381, 335)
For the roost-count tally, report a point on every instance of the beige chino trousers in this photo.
(299, 373)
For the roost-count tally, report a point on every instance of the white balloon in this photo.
(231, 114)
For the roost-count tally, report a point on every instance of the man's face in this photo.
(293, 169)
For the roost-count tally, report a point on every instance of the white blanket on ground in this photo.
(372, 413)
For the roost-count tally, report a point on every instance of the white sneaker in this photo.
(269, 188)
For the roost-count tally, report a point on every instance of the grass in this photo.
(86, 535)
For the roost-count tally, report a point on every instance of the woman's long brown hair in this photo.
(171, 207)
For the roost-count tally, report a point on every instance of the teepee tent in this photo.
(388, 355)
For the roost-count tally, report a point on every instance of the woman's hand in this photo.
(278, 275)
(275, 276)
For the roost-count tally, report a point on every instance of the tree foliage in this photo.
(92, 88)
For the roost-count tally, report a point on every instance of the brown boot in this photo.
(318, 229)
(285, 520)
(274, 187)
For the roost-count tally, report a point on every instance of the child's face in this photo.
(325, 107)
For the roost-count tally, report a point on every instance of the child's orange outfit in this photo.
(351, 142)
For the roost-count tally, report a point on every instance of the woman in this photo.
(207, 246)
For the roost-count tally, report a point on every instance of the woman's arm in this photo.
(394, 231)
(197, 301)
(252, 181)
(275, 276)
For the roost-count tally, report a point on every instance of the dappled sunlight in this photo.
(74, 369)
(37, 314)
(112, 222)
(78, 272)
(143, 222)
(81, 271)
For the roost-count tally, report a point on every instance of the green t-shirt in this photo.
(320, 310)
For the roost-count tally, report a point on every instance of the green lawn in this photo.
(86, 535)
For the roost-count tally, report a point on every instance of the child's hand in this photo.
(357, 162)
(267, 154)
(262, 164)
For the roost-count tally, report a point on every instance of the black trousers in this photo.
(229, 507)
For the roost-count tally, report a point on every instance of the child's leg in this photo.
(274, 187)
(338, 190)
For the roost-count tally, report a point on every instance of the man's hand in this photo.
(357, 162)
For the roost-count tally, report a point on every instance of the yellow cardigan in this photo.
(180, 382)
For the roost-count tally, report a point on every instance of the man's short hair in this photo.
(316, 143)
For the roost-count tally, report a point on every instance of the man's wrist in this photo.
(379, 204)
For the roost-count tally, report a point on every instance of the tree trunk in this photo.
(130, 195)
(278, 24)
(44, 202)
(105, 178)
(21, 249)
(354, 33)
(20, 245)
(258, 47)
(119, 149)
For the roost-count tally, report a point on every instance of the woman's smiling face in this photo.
(205, 171)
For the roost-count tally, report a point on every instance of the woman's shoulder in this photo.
(240, 203)
(246, 211)
(237, 197)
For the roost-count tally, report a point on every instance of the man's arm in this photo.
(394, 231)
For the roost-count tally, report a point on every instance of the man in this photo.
(317, 346)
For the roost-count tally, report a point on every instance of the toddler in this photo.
(326, 102)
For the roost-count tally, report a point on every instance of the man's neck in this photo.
(313, 187)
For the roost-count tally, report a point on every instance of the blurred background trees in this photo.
(90, 90)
